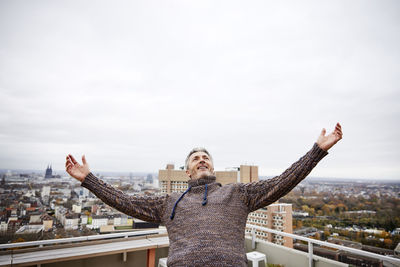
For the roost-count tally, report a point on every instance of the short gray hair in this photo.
(194, 150)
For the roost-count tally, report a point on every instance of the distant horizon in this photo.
(127, 173)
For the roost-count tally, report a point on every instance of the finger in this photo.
(73, 159)
(84, 160)
(338, 129)
(323, 132)
(69, 161)
(68, 166)
(339, 134)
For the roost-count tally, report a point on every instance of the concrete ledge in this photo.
(82, 252)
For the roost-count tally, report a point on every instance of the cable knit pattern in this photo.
(147, 208)
(210, 234)
(262, 193)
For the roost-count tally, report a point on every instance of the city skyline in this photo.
(135, 86)
(118, 174)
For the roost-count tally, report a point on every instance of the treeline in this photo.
(336, 209)
(384, 239)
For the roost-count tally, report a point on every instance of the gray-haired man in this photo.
(206, 224)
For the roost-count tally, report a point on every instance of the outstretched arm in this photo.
(147, 208)
(262, 193)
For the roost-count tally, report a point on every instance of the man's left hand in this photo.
(326, 142)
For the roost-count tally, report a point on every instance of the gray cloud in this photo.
(137, 85)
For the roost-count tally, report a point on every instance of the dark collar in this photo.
(201, 181)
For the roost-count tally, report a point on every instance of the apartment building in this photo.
(98, 221)
(277, 216)
(172, 180)
(71, 221)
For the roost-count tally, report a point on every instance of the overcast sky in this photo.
(135, 85)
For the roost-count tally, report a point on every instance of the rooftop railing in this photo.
(311, 242)
(145, 246)
(42, 243)
(152, 244)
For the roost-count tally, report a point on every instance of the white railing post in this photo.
(310, 255)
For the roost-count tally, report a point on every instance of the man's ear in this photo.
(188, 173)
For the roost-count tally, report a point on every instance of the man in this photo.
(206, 224)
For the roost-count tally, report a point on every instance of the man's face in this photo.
(200, 165)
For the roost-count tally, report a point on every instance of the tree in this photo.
(317, 236)
(388, 243)
(299, 224)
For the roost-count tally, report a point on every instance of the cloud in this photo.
(137, 85)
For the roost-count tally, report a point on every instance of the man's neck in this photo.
(207, 179)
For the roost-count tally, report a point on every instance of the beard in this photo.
(198, 175)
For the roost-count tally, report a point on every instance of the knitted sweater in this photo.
(206, 224)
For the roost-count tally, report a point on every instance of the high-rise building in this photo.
(46, 194)
(149, 178)
(172, 180)
(248, 173)
(46, 191)
(277, 216)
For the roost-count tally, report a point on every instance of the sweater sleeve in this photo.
(147, 208)
(262, 193)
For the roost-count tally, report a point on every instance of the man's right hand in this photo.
(76, 170)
